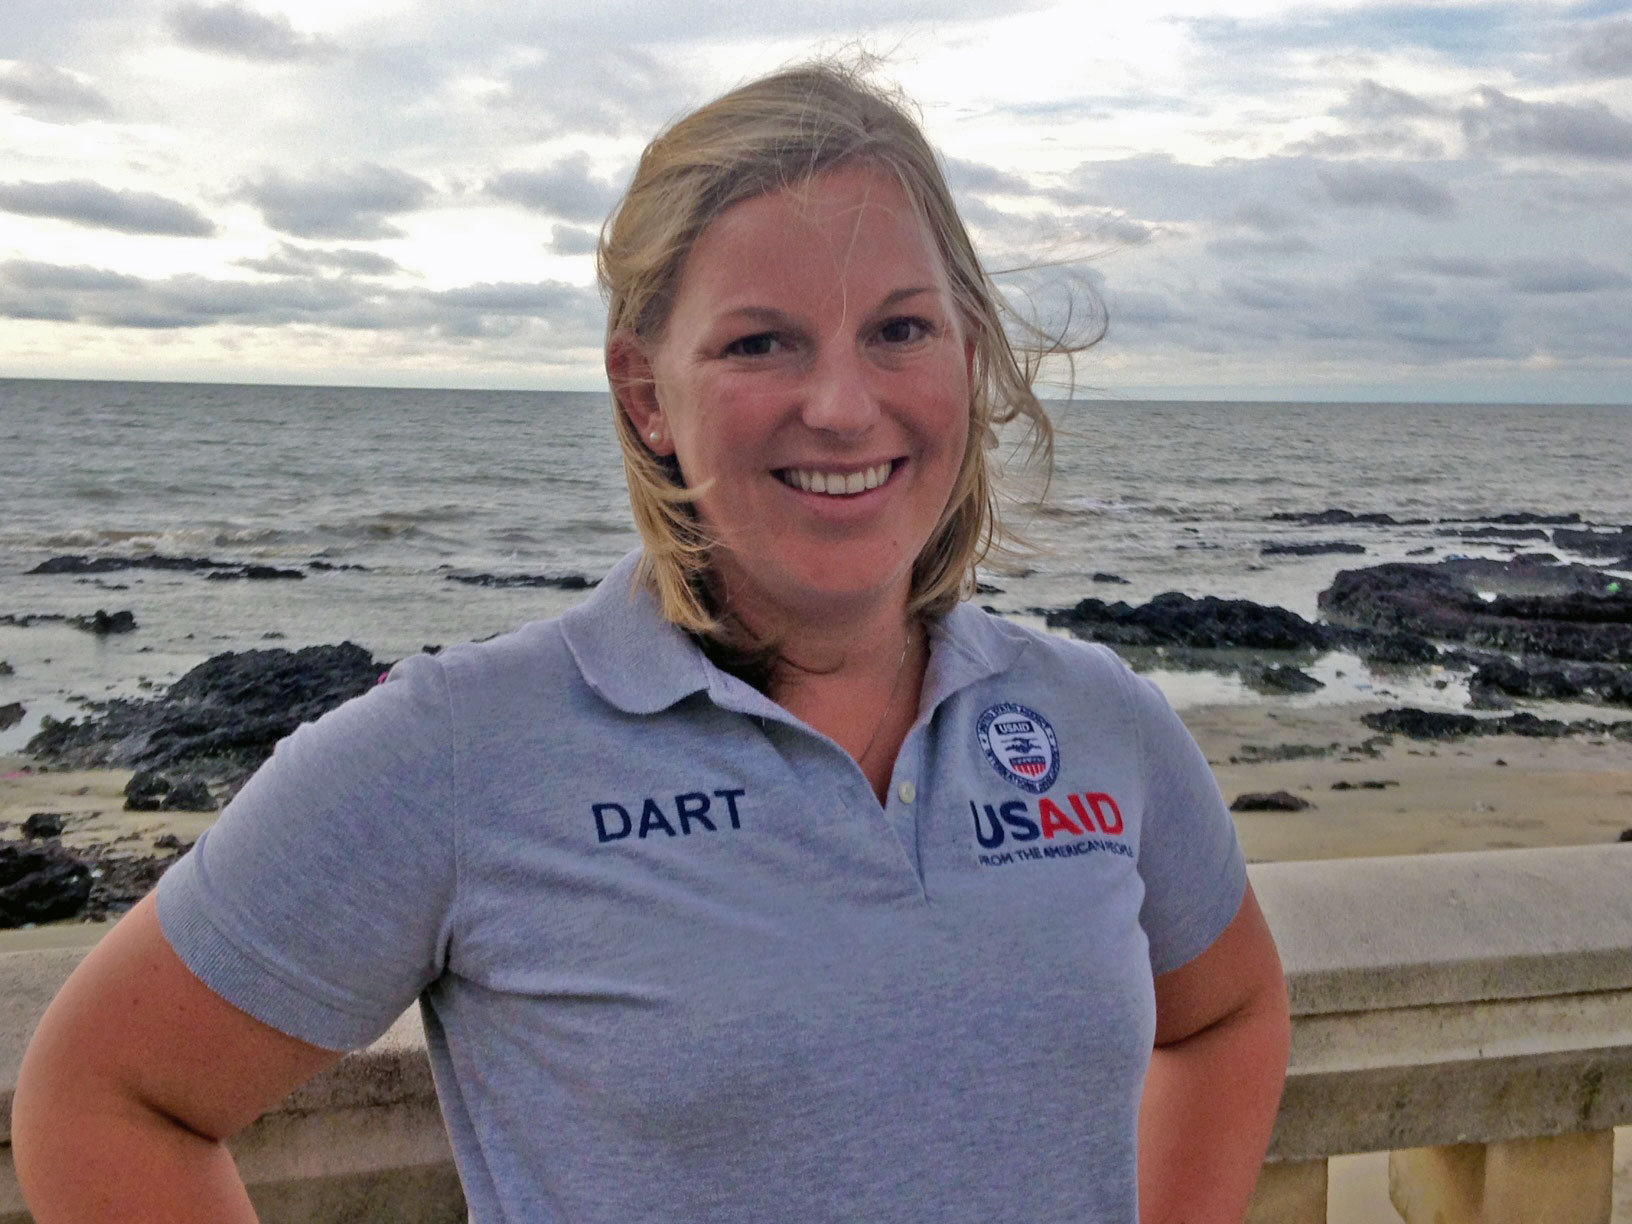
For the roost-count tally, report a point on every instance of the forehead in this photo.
(853, 228)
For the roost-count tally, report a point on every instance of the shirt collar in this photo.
(641, 663)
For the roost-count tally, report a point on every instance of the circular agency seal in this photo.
(1020, 745)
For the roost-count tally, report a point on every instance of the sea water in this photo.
(402, 489)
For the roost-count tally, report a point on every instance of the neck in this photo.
(848, 639)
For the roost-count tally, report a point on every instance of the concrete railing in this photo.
(1471, 1014)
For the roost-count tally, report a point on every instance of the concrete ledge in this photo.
(1448, 999)
(1360, 934)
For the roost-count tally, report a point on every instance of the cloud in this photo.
(337, 203)
(566, 189)
(1374, 186)
(1564, 274)
(233, 29)
(1604, 51)
(50, 94)
(565, 315)
(84, 203)
(1250, 249)
(1264, 217)
(291, 260)
(573, 240)
(1374, 102)
(962, 175)
(1463, 32)
(1459, 266)
(1500, 123)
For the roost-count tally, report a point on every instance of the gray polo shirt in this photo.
(678, 964)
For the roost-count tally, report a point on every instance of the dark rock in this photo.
(105, 565)
(1315, 548)
(1101, 576)
(188, 795)
(1280, 678)
(218, 721)
(40, 884)
(43, 824)
(987, 588)
(169, 841)
(1626, 836)
(1542, 558)
(146, 791)
(1493, 533)
(259, 572)
(1553, 682)
(11, 714)
(1366, 785)
(1425, 551)
(1257, 754)
(1399, 649)
(1562, 611)
(562, 582)
(6, 669)
(22, 620)
(325, 567)
(1340, 518)
(1617, 543)
(1269, 801)
(1422, 724)
(1174, 619)
(1524, 518)
(104, 623)
(1434, 725)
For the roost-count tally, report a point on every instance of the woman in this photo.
(773, 881)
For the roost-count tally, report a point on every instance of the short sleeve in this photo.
(321, 901)
(1189, 856)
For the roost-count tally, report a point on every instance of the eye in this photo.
(760, 344)
(905, 330)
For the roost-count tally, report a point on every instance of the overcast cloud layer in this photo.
(1351, 201)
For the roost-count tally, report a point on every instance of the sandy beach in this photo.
(1478, 794)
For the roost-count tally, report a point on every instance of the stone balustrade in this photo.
(1470, 1014)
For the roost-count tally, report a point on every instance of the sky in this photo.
(1281, 201)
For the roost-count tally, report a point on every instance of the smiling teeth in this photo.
(836, 484)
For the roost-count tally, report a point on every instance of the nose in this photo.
(839, 396)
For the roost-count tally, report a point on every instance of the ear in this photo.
(634, 387)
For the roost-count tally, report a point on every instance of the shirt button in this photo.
(907, 791)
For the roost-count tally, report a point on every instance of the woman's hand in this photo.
(136, 1074)
(1222, 1035)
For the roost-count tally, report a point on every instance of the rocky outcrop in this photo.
(1438, 725)
(1175, 619)
(1551, 682)
(1270, 801)
(1560, 611)
(107, 565)
(220, 720)
(561, 582)
(41, 883)
(148, 791)
(1315, 548)
(1616, 543)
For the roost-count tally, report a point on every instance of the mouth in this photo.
(838, 484)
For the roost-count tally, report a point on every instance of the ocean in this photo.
(399, 491)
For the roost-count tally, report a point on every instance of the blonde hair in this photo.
(767, 135)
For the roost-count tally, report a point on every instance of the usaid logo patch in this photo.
(1020, 745)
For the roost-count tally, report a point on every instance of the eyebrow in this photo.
(767, 314)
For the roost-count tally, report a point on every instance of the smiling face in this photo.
(814, 379)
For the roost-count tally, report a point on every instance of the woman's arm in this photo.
(1222, 1034)
(136, 1074)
